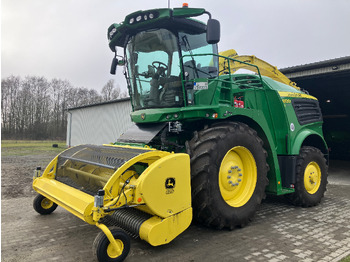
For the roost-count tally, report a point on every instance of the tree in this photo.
(124, 94)
(35, 108)
(9, 91)
(110, 91)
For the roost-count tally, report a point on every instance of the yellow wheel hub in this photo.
(112, 252)
(312, 177)
(46, 203)
(237, 176)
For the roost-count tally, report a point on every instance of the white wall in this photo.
(98, 124)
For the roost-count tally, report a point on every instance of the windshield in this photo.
(153, 64)
(204, 66)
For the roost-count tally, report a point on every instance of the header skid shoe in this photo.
(144, 191)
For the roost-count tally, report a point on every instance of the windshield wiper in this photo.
(187, 44)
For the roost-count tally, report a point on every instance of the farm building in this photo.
(99, 123)
(329, 81)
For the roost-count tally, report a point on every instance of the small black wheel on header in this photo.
(105, 252)
(43, 205)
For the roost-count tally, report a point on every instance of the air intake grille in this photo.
(307, 111)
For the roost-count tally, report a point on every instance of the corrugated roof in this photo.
(330, 62)
(99, 104)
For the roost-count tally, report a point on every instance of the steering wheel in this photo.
(160, 64)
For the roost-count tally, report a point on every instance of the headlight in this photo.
(112, 33)
(138, 19)
(145, 17)
(132, 20)
(151, 16)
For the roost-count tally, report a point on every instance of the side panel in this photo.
(305, 135)
(288, 170)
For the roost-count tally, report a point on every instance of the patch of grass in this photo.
(30, 147)
(346, 259)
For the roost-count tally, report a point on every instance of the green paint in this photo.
(192, 91)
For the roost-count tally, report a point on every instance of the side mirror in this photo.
(213, 31)
(114, 66)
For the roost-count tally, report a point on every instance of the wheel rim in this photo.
(237, 176)
(112, 252)
(312, 177)
(46, 203)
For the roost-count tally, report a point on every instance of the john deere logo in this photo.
(143, 116)
(169, 185)
(170, 182)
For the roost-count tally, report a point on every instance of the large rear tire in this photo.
(311, 178)
(228, 174)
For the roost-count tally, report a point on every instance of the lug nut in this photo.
(240, 174)
(230, 182)
(236, 184)
(239, 180)
(228, 177)
(230, 171)
(239, 169)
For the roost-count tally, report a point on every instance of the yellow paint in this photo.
(165, 186)
(149, 157)
(46, 203)
(116, 246)
(265, 68)
(312, 177)
(164, 189)
(295, 95)
(158, 231)
(237, 176)
(75, 201)
(112, 251)
(286, 101)
(134, 147)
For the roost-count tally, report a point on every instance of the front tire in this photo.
(228, 174)
(311, 178)
(104, 250)
(43, 205)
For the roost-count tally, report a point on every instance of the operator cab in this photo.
(161, 56)
(153, 62)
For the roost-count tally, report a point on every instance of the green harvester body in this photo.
(268, 106)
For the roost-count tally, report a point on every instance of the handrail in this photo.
(227, 58)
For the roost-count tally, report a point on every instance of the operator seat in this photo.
(171, 94)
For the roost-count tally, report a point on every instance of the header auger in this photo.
(207, 142)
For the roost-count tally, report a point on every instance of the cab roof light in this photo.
(143, 16)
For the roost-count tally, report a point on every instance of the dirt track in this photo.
(279, 232)
(17, 174)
